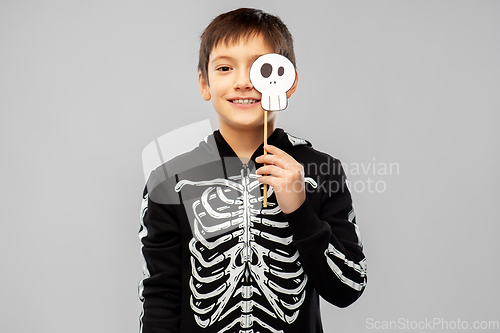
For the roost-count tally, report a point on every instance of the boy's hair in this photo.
(229, 27)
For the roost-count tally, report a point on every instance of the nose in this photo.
(243, 81)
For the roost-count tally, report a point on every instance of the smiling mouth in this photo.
(244, 101)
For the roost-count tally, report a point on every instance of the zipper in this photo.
(246, 253)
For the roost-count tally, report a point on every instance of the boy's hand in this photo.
(285, 175)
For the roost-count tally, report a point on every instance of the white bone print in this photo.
(242, 256)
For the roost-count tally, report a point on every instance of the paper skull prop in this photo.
(272, 75)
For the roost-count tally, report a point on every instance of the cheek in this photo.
(219, 87)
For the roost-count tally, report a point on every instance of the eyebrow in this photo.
(254, 57)
(221, 57)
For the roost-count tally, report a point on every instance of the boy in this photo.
(216, 260)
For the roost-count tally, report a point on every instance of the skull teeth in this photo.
(244, 101)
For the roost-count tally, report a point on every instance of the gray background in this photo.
(86, 85)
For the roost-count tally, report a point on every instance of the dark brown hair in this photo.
(229, 27)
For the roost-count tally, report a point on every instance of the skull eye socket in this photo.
(281, 71)
(266, 70)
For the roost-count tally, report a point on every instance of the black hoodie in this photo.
(216, 260)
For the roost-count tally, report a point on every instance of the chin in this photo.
(247, 123)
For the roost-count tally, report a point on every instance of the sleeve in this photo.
(160, 289)
(329, 243)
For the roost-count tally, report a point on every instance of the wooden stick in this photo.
(265, 153)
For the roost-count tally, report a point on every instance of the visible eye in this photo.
(224, 68)
(281, 70)
(266, 70)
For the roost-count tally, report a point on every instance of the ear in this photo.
(294, 87)
(204, 87)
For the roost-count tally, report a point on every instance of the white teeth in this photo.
(244, 101)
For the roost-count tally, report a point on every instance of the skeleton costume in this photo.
(216, 260)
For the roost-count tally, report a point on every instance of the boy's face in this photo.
(234, 98)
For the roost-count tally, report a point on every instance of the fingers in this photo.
(271, 170)
(271, 181)
(269, 159)
(282, 187)
(274, 150)
(278, 157)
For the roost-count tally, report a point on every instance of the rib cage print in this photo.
(245, 270)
